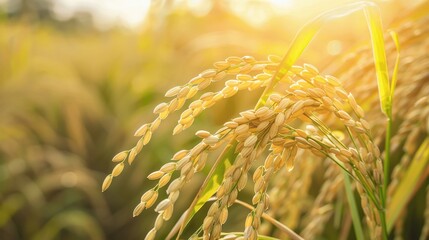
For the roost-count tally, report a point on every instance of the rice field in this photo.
(217, 129)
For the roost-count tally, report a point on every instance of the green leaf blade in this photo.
(375, 26)
(407, 186)
(210, 185)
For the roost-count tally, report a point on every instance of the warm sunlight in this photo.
(130, 13)
(214, 119)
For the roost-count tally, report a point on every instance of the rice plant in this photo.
(304, 122)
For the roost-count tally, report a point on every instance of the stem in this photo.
(351, 198)
(386, 177)
(387, 156)
(279, 225)
(353, 208)
(382, 213)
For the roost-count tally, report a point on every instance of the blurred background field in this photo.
(75, 84)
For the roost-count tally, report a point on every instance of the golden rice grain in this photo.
(249, 115)
(117, 170)
(312, 69)
(173, 196)
(264, 124)
(242, 182)
(344, 115)
(261, 111)
(173, 105)
(250, 233)
(106, 183)
(152, 199)
(186, 168)
(217, 229)
(307, 75)
(147, 137)
(316, 92)
(232, 83)
(220, 192)
(160, 108)
(221, 65)
(183, 92)
(162, 205)
(300, 93)
(132, 155)
(168, 167)
(301, 133)
(250, 141)
(138, 209)
(179, 155)
(155, 175)
(166, 215)
(207, 222)
(155, 124)
(314, 144)
(164, 115)
(147, 195)
(243, 77)
(192, 92)
(158, 222)
(184, 121)
(233, 60)
(223, 215)
(120, 156)
(229, 91)
(341, 93)
(204, 84)
(259, 184)
(173, 91)
(178, 129)
(219, 76)
(186, 113)
(142, 130)
(196, 80)
(151, 235)
(211, 140)
(255, 85)
(333, 81)
(174, 185)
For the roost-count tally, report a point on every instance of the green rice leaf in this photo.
(309, 31)
(353, 207)
(373, 18)
(394, 36)
(210, 185)
(407, 186)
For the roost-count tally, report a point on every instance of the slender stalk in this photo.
(387, 156)
(382, 213)
(351, 199)
(353, 208)
(386, 178)
(279, 225)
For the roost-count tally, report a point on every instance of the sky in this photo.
(130, 13)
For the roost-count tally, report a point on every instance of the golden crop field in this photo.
(223, 120)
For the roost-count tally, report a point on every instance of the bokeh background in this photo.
(77, 78)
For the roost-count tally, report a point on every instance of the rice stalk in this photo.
(274, 130)
(308, 95)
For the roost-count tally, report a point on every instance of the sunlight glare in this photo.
(130, 13)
